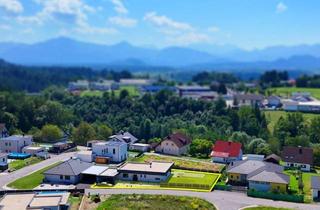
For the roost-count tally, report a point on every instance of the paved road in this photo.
(10, 177)
(221, 199)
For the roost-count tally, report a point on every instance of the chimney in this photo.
(300, 150)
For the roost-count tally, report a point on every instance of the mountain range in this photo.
(67, 51)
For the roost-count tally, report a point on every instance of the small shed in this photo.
(140, 147)
(273, 159)
(85, 156)
(33, 150)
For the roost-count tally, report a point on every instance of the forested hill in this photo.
(34, 79)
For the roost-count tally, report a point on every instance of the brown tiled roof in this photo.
(297, 155)
(178, 139)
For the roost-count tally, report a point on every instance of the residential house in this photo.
(3, 130)
(3, 161)
(273, 158)
(269, 181)
(308, 106)
(145, 172)
(298, 157)
(29, 201)
(174, 144)
(247, 100)
(240, 171)
(274, 101)
(85, 156)
(197, 92)
(301, 96)
(315, 187)
(102, 85)
(97, 174)
(67, 172)
(78, 85)
(226, 151)
(15, 143)
(113, 151)
(156, 88)
(124, 137)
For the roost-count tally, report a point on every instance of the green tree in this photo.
(314, 130)
(50, 133)
(200, 147)
(83, 133)
(103, 131)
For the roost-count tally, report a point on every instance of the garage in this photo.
(89, 176)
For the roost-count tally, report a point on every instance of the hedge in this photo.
(276, 196)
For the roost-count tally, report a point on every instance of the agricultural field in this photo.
(286, 91)
(274, 116)
(154, 202)
(180, 163)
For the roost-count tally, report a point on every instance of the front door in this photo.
(135, 178)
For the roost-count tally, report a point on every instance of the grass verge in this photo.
(266, 208)
(30, 181)
(18, 164)
(154, 202)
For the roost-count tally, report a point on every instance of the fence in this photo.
(188, 186)
(275, 196)
(223, 187)
(196, 169)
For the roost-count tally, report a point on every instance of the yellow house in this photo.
(269, 181)
(235, 177)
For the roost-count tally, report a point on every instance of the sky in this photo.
(247, 24)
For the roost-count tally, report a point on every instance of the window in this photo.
(3, 159)
(61, 177)
(231, 176)
(158, 179)
(67, 177)
(114, 151)
(6, 144)
(125, 175)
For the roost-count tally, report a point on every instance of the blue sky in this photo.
(159, 23)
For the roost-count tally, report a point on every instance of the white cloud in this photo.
(123, 21)
(85, 28)
(214, 29)
(36, 19)
(164, 21)
(119, 7)
(281, 7)
(12, 6)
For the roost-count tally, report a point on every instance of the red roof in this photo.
(226, 149)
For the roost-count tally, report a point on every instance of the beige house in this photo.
(175, 144)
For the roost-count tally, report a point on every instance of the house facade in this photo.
(315, 187)
(269, 181)
(67, 172)
(226, 151)
(116, 151)
(145, 172)
(3, 161)
(175, 144)
(298, 157)
(15, 143)
(124, 137)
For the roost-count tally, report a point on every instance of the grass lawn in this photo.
(133, 91)
(286, 91)
(274, 116)
(294, 182)
(154, 202)
(30, 181)
(187, 164)
(189, 178)
(266, 208)
(306, 178)
(18, 164)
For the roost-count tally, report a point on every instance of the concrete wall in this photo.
(315, 193)
(116, 153)
(144, 177)
(85, 157)
(278, 187)
(55, 179)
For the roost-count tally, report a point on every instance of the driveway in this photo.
(223, 200)
(10, 177)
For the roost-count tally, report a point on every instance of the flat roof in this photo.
(140, 144)
(33, 147)
(110, 172)
(153, 167)
(16, 201)
(95, 170)
(110, 143)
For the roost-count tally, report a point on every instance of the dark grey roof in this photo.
(315, 182)
(271, 177)
(249, 97)
(124, 137)
(71, 167)
(253, 167)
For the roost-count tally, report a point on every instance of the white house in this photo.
(145, 172)
(174, 144)
(116, 151)
(15, 143)
(297, 157)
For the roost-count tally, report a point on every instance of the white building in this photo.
(116, 151)
(145, 172)
(315, 187)
(85, 156)
(33, 150)
(15, 143)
